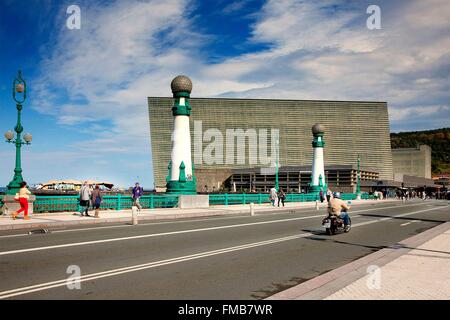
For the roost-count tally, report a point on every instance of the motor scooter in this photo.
(334, 224)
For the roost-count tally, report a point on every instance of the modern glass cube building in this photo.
(352, 128)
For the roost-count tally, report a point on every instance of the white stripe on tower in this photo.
(181, 147)
(318, 166)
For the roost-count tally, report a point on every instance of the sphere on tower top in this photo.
(181, 84)
(318, 129)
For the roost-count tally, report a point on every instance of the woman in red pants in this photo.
(24, 195)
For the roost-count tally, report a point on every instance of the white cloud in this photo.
(130, 50)
(124, 52)
(323, 52)
(234, 6)
(111, 65)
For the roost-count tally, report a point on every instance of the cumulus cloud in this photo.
(124, 52)
(323, 50)
(109, 67)
(129, 50)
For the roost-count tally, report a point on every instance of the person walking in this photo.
(322, 198)
(97, 200)
(329, 194)
(138, 191)
(23, 196)
(85, 196)
(281, 197)
(273, 196)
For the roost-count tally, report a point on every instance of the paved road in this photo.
(238, 257)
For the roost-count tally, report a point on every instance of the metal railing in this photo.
(260, 198)
(120, 202)
(116, 202)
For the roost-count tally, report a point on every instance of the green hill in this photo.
(438, 140)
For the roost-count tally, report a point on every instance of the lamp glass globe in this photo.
(9, 135)
(19, 88)
(27, 137)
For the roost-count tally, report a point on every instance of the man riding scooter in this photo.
(339, 208)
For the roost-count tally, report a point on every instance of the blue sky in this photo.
(87, 106)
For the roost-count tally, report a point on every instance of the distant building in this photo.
(70, 185)
(292, 179)
(414, 182)
(353, 128)
(412, 161)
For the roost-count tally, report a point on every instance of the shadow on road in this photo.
(325, 238)
(400, 218)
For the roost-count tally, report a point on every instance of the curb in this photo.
(326, 284)
(92, 221)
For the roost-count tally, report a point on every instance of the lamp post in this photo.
(19, 96)
(277, 146)
(358, 180)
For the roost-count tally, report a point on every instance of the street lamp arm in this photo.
(18, 142)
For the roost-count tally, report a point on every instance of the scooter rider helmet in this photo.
(337, 195)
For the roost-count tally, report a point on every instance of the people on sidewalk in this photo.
(322, 198)
(85, 196)
(97, 200)
(329, 194)
(281, 197)
(273, 196)
(22, 196)
(138, 192)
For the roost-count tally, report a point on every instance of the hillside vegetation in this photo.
(438, 140)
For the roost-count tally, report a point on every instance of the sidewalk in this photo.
(67, 219)
(415, 269)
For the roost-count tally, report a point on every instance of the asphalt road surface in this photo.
(228, 257)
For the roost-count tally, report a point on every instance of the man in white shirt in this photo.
(273, 196)
(85, 196)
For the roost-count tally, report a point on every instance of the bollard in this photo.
(134, 215)
(317, 205)
(252, 209)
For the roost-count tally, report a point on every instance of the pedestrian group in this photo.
(93, 198)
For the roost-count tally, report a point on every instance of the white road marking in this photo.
(109, 273)
(205, 218)
(393, 217)
(407, 223)
(15, 235)
(114, 272)
(141, 224)
(170, 233)
(152, 235)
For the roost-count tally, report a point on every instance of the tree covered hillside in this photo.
(438, 140)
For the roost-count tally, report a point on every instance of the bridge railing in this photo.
(116, 202)
(120, 202)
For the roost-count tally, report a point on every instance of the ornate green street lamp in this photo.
(277, 147)
(19, 96)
